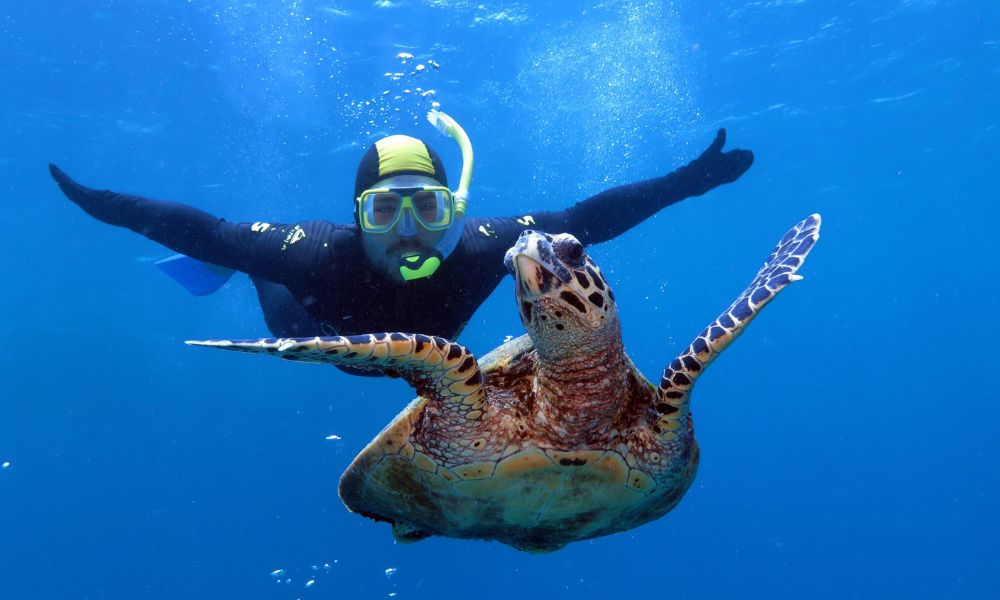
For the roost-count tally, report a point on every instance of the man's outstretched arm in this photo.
(257, 249)
(613, 212)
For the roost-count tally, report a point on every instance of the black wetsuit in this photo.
(324, 267)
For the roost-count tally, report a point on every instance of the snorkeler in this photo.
(411, 260)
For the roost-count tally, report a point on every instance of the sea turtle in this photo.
(555, 436)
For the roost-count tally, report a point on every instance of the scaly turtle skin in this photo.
(556, 437)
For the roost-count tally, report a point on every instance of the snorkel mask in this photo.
(413, 205)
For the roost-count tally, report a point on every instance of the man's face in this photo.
(385, 249)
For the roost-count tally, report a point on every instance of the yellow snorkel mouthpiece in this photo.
(448, 126)
(413, 265)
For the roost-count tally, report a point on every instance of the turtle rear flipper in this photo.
(778, 271)
(441, 371)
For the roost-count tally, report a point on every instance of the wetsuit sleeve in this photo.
(274, 252)
(615, 211)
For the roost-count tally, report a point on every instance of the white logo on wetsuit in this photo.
(295, 235)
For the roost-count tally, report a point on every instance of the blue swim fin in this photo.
(199, 278)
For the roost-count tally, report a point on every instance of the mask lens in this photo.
(432, 208)
(385, 207)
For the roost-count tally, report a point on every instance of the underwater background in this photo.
(849, 438)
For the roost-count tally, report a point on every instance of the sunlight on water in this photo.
(282, 67)
(625, 99)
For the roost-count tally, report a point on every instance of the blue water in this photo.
(849, 438)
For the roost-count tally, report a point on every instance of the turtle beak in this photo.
(529, 284)
(539, 275)
(533, 279)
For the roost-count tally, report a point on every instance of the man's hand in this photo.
(715, 167)
(100, 204)
(67, 185)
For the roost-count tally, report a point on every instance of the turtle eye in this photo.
(571, 252)
(575, 252)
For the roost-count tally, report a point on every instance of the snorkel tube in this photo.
(448, 126)
(414, 265)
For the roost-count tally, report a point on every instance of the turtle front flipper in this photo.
(778, 271)
(440, 370)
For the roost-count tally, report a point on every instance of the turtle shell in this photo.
(521, 491)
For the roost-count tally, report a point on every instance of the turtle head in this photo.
(565, 303)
